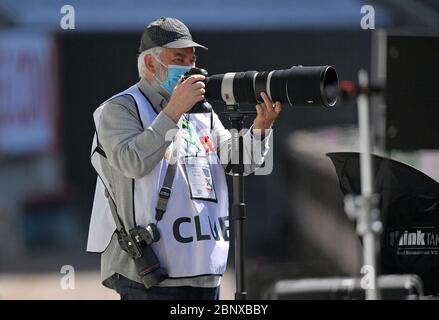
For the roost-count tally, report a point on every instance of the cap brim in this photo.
(183, 43)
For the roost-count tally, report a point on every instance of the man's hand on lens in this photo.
(267, 112)
(185, 95)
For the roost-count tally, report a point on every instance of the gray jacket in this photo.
(135, 150)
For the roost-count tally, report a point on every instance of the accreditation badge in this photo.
(200, 179)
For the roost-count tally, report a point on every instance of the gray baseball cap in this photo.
(167, 33)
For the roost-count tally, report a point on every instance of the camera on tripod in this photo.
(297, 86)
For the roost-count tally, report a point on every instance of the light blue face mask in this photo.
(174, 74)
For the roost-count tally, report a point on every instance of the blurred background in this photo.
(51, 81)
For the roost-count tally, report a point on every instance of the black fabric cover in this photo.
(409, 208)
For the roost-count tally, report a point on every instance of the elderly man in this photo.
(170, 185)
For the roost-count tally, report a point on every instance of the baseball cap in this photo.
(168, 33)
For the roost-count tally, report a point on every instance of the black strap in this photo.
(126, 241)
(211, 121)
(119, 224)
(165, 191)
(101, 151)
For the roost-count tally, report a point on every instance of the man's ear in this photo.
(148, 59)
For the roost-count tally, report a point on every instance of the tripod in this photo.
(236, 118)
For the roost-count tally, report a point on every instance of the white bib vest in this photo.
(194, 233)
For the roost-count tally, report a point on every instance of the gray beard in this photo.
(156, 85)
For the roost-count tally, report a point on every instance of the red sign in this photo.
(27, 93)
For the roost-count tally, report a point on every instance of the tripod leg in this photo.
(239, 217)
(238, 210)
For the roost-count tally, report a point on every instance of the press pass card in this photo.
(199, 175)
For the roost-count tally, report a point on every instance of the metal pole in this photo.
(365, 218)
(238, 209)
(239, 217)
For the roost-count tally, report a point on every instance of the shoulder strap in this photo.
(119, 224)
(166, 190)
(125, 239)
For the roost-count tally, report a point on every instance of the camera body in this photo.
(137, 243)
(202, 106)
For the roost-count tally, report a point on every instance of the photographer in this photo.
(134, 149)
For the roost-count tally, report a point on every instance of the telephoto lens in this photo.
(297, 86)
(147, 265)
